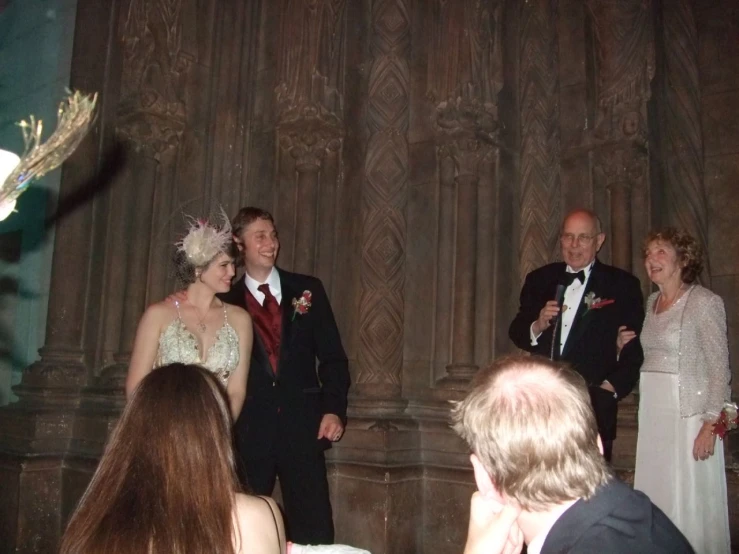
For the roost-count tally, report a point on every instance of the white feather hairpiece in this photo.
(204, 241)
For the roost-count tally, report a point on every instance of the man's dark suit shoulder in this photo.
(297, 278)
(546, 271)
(618, 274)
(616, 520)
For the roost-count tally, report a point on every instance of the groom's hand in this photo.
(330, 428)
(179, 296)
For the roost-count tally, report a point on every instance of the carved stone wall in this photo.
(418, 157)
(683, 188)
(464, 77)
(540, 195)
(624, 66)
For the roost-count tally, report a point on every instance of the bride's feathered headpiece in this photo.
(204, 241)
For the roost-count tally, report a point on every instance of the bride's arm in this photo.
(236, 388)
(144, 348)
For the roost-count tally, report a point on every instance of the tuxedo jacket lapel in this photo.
(288, 293)
(581, 322)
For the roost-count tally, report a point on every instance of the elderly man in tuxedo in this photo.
(541, 478)
(572, 311)
(296, 394)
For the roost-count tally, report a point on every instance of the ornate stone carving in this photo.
(309, 109)
(540, 140)
(465, 69)
(310, 67)
(151, 113)
(464, 78)
(384, 199)
(683, 137)
(465, 52)
(308, 132)
(624, 50)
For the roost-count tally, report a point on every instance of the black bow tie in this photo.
(569, 278)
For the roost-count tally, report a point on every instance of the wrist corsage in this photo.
(301, 304)
(728, 420)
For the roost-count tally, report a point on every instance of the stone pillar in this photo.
(466, 155)
(384, 198)
(464, 78)
(308, 137)
(538, 89)
(621, 224)
(681, 132)
(463, 343)
(624, 51)
(309, 100)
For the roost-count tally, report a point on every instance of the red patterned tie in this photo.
(270, 302)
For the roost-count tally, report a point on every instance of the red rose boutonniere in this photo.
(301, 304)
(728, 420)
(593, 303)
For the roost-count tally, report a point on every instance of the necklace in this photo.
(677, 296)
(200, 325)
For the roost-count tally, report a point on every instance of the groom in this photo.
(581, 326)
(294, 408)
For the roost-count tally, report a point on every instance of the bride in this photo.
(201, 329)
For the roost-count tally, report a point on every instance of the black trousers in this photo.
(304, 485)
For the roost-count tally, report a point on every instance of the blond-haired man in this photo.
(537, 452)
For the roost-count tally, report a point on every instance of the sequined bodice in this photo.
(177, 344)
(660, 338)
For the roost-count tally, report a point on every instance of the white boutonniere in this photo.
(593, 302)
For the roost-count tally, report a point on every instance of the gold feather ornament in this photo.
(74, 118)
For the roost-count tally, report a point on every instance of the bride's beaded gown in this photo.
(177, 344)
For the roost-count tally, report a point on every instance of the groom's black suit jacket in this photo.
(591, 343)
(288, 405)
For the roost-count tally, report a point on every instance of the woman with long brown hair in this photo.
(167, 482)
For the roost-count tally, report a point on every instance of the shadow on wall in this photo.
(22, 235)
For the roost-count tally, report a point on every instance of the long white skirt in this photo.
(692, 494)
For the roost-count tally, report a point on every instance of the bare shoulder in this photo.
(258, 524)
(160, 313)
(254, 506)
(237, 314)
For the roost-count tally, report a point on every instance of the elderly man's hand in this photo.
(493, 527)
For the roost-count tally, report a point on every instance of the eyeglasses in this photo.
(569, 238)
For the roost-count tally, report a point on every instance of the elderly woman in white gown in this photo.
(683, 387)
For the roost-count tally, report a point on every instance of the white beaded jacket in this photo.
(703, 355)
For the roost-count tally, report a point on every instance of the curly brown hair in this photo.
(689, 251)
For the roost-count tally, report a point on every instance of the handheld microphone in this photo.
(559, 296)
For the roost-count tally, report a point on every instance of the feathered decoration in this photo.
(74, 119)
(8, 162)
(205, 241)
